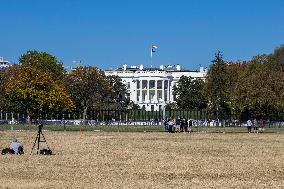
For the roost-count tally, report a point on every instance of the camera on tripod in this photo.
(40, 138)
(40, 126)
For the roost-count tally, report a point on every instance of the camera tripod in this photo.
(38, 139)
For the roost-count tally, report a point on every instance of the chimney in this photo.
(141, 67)
(178, 67)
(124, 67)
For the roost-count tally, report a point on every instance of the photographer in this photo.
(16, 147)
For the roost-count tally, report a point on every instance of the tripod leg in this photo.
(36, 139)
(44, 140)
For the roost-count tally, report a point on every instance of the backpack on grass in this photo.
(45, 151)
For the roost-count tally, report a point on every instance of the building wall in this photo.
(3, 63)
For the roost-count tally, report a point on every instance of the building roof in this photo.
(168, 68)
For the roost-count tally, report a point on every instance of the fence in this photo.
(127, 117)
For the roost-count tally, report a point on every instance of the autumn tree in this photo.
(3, 101)
(32, 89)
(89, 89)
(260, 90)
(233, 70)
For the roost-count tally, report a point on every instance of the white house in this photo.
(3, 63)
(151, 88)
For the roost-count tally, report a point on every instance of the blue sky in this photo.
(110, 33)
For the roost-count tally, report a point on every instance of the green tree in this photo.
(119, 93)
(171, 106)
(133, 106)
(276, 59)
(188, 92)
(45, 62)
(216, 87)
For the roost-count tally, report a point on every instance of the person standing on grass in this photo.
(261, 125)
(183, 125)
(189, 126)
(249, 125)
(174, 124)
(255, 126)
(178, 123)
(170, 125)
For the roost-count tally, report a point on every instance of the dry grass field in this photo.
(145, 160)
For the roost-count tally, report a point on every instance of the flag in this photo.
(153, 49)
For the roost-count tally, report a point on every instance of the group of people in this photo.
(15, 148)
(256, 125)
(173, 125)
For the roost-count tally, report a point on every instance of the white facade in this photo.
(3, 63)
(151, 88)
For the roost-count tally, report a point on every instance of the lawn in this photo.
(91, 159)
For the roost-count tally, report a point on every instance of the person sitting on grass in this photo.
(16, 147)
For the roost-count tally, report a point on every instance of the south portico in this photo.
(152, 93)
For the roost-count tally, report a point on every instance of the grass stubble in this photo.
(145, 160)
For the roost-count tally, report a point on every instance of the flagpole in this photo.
(151, 52)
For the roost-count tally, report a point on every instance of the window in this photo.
(138, 84)
(144, 84)
(138, 96)
(152, 95)
(144, 93)
(152, 84)
(159, 84)
(159, 95)
(166, 84)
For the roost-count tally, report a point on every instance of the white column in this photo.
(156, 91)
(141, 93)
(169, 91)
(163, 90)
(148, 90)
(133, 91)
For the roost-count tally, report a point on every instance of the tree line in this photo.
(39, 84)
(240, 90)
